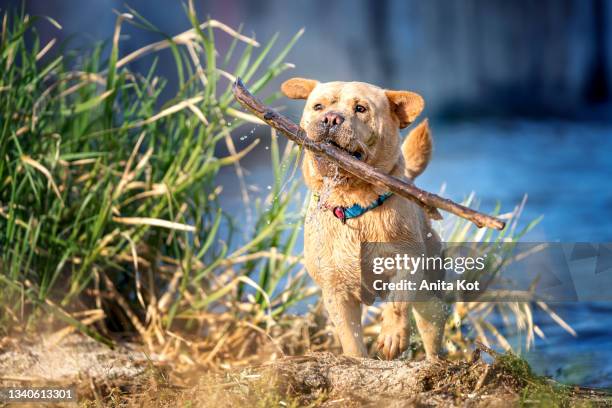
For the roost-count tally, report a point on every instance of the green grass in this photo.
(109, 197)
(535, 391)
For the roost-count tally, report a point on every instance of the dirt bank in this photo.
(127, 376)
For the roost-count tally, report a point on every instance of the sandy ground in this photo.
(317, 379)
(72, 358)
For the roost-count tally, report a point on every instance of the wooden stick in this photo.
(430, 202)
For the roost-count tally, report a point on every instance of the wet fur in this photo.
(332, 249)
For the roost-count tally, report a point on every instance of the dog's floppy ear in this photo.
(405, 105)
(298, 88)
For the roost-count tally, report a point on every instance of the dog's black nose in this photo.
(332, 119)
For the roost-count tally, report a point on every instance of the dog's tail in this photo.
(416, 149)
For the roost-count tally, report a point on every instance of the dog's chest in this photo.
(332, 249)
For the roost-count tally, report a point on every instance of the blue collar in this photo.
(354, 211)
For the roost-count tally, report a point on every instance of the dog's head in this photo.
(360, 118)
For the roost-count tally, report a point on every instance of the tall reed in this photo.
(109, 207)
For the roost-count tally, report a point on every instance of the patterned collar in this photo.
(354, 211)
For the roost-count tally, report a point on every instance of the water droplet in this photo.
(269, 187)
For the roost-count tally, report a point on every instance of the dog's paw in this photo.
(394, 339)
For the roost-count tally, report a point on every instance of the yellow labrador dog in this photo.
(365, 120)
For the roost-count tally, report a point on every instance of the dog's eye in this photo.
(360, 108)
(317, 107)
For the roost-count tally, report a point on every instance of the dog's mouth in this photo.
(356, 154)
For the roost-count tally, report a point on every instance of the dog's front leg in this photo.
(430, 318)
(345, 313)
(394, 337)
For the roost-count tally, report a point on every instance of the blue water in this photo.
(566, 170)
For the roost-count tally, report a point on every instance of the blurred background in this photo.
(475, 57)
(518, 95)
